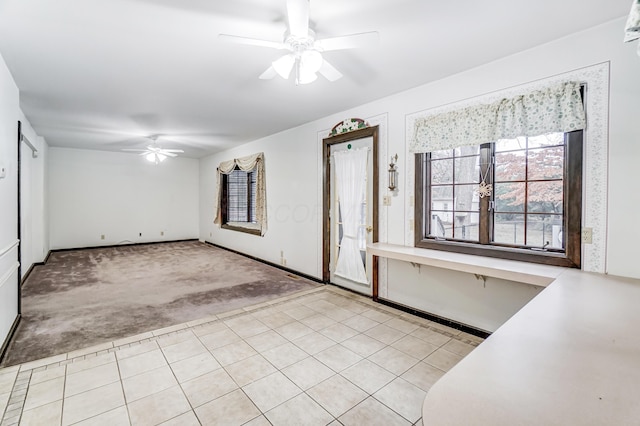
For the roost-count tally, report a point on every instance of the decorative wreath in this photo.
(348, 125)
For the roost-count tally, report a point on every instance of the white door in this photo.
(364, 232)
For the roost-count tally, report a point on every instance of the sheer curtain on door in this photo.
(351, 183)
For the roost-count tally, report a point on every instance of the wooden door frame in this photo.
(326, 193)
(19, 230)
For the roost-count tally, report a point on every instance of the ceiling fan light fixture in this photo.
(284, 65)
(311, 61)
(155, 157)
(305, 76)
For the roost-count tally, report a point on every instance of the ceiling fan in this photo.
(154, 153)
(305, 51)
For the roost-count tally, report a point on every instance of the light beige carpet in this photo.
(85, 297)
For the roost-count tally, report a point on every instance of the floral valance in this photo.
(557, 108)
(632, 29)
(248, 163)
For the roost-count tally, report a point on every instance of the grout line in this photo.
(262, 414)
(124, 395)
(19, 399)
(64, 389)
(178, 381)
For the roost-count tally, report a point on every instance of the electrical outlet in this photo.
(386, 200)
(161, 233)
(587, 235)
(102, 237)
(140, 234)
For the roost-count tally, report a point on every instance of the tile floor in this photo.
(325, 356)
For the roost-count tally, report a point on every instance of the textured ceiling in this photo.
(101, 74)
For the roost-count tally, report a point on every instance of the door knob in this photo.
(369, 228)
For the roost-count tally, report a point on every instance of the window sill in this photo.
(495, 251)
(246, 227)
(512, 270)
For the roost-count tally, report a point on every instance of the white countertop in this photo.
(570, 356)
(524, 272)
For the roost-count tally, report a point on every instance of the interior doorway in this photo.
(350, 208)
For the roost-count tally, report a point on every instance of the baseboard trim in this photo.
(7, 341)
(46, 259)
(435, 318)
(119, 245)
(275, 265)
(33, 265)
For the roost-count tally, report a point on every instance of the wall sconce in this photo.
(393, 173)
(632, 29)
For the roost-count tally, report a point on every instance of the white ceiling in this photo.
(99, 74)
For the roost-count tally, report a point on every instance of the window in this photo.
(453, 176)
(241, 204)
(533, 211)
(239, 198)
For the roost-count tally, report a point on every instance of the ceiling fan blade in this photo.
(168, 154)
(133, 150)
(350, 41)
(145, 153)
(298, 14)
(172, 150)
(329, 72)
(251, 41)
(268, 74)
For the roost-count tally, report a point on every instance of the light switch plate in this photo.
(386, 200)
(3, 172)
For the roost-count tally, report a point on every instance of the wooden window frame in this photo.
(572, 214)
(225, 204)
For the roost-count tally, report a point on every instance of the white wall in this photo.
(294, 174)
(464, 298)
(9, 115)
(35, 197)
(292, 208)
(119, 195)
(34, 221)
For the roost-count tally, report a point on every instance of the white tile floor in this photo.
(325, 356)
